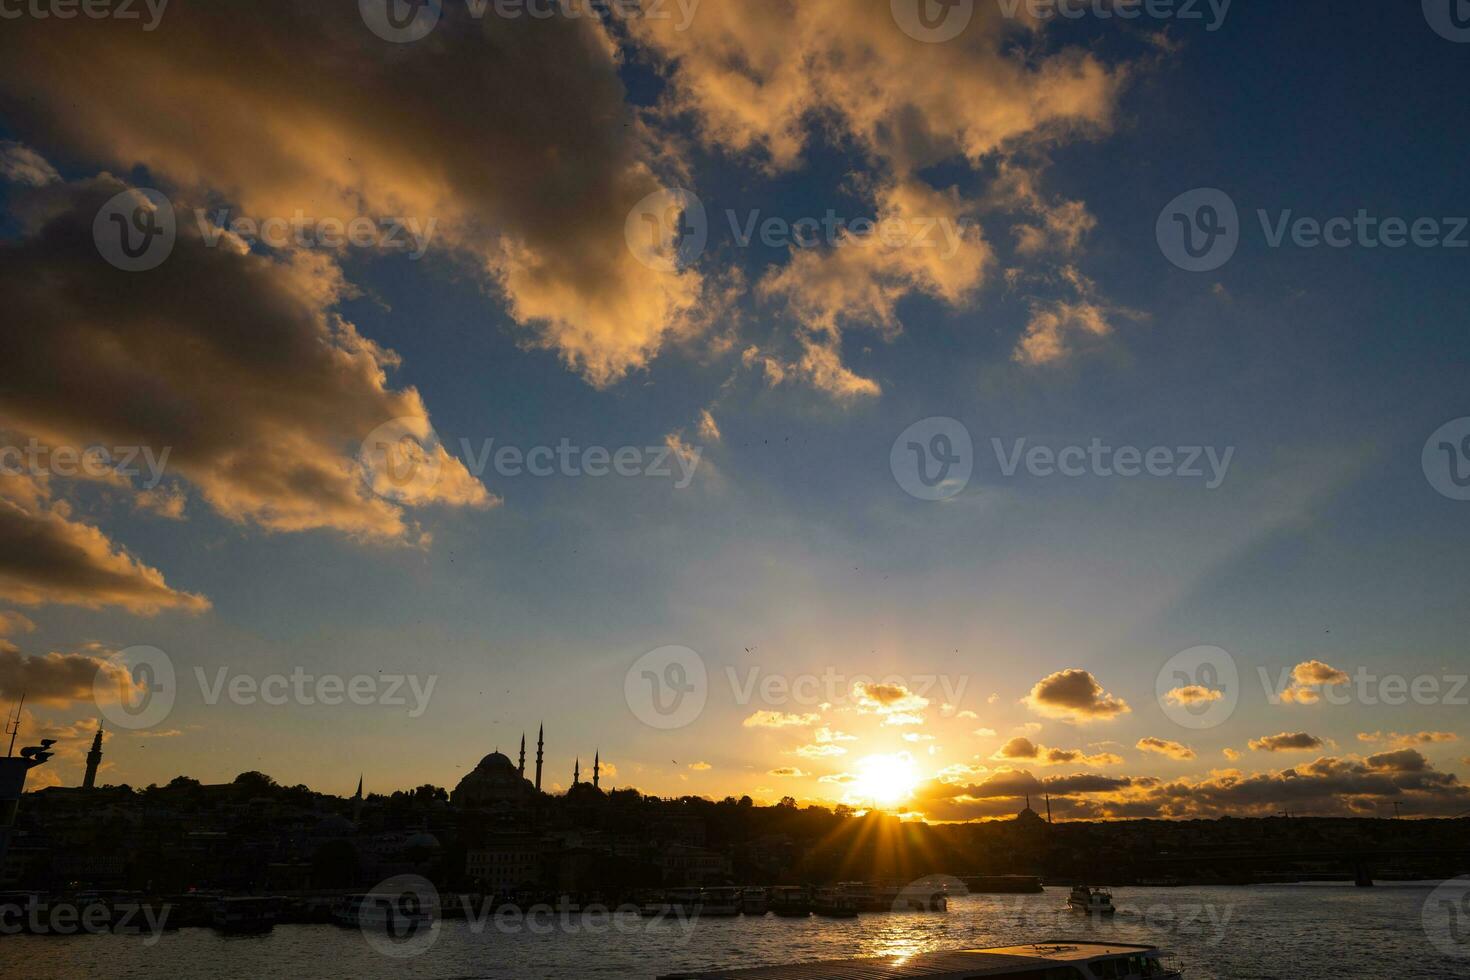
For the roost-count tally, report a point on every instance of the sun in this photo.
(886, 779)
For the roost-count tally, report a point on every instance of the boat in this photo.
(864, 897)
(684, 901)
(917, 897)
(719, 902)
(753, 901)
(1093, 901)
(373, 911)
(1038, 961)
(834, 903)
(245, 916)
(791, 901)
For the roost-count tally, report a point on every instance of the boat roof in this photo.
(965, 963)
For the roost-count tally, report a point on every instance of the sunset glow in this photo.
(885, 780)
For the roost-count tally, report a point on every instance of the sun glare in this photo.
(885, 779)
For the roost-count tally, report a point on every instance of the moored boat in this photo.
(753, 901)
(1038, 961)
(719, 902)
(791, 901)
(245, 916)
(834, 903)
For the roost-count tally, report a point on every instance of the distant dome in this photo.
(495, 781)
(423, 840)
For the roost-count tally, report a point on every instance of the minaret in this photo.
(357, 801)
(94, 759)
(1048, 808)
(540, 744)
(597, 770)
(577, 773)
(522, 770)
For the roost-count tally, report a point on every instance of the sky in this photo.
(852, 310)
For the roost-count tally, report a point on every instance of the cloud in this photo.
(820, 751)
(1406, 740)
(233, 363)
(1020, 748)
(57, 678)
(1074, 695)
(1307, 680)
(887, 699)
(46, 556)
(1193, 694)
(1232, 754)
(828, 735)
(779, 719)
(12, 623)
(1401, 760)
(708, 430)
(1286, 742)
(700, 766)
(787, 772)
(20, 164)
(1058, 325)
(531, 194)
(1160, 746)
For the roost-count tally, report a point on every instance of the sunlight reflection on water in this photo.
(1299, 932)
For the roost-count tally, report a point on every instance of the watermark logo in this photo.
(1446, 459)
(1199, 688)
(1182, 10)
(1199, 230)
(402, 458)
(933, 459)
(136, 229)
(137, 690)
(1446, 918)
(400, 916)
(91, 9)
(667, 688)
(667, 230)
(401, 21)
(932, 21)
(1449, 18)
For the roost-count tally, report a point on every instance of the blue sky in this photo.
(1325, 369)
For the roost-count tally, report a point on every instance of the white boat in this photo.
(1093, 901)
(719, 902)
(371, 911)
(1039, 961)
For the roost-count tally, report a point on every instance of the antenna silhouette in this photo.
(12, 724)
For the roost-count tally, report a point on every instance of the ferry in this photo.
(915, 898)
(381, 912)
(753, 901)
(245, 916)
(719, 902)
(1093, 901)
(1052, 960)
(835, 903)
(791, 901)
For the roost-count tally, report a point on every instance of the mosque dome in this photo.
(495, 781)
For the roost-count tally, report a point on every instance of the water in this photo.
(1290, 932)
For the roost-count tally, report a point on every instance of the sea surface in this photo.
(1286, 932)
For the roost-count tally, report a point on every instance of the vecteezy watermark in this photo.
(1181, 10)
(1199, 688)
(1449, 18)
(933, 459)
(1446, 918)
(406, 21)
(564, 918)
(1200, 230)
(667, 688)
(400, 917)
(667, 230)
(932, 21)
(300, 688)
(91, 9)
(1446, 459)
(136, 689)
(403, 460)
(1365, 687)
(96, 462)
(135, 229)
(41, 917)
(1207, 922)
(400, 234)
